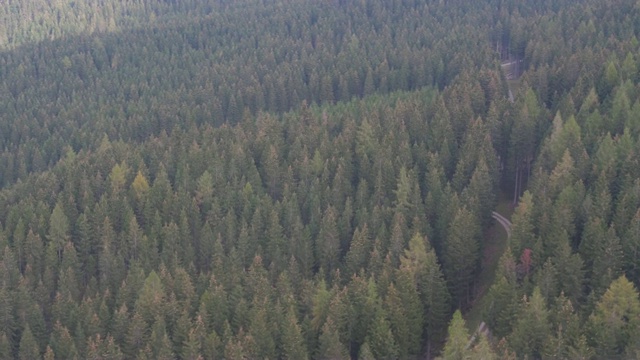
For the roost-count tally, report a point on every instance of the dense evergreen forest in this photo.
(299, 179)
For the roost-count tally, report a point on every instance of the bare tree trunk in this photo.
(515, 190)
(520, 178)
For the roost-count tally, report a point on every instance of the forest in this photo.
(300, 179)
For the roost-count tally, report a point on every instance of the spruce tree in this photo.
(28, 349)
(293, 344)
(380, 338)
(614, 325)
(532, 327)
(456, 347)
(461, 254)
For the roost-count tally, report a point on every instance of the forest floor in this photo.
(495, 242)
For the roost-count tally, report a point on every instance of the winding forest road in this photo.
(483, 328)
(506, 224)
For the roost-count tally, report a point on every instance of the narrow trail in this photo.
(483, 328)
(506, 224)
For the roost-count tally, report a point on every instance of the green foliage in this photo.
(614, 326)
(58, 229)
(380, 339)
(566, 339)
(206, 179)
(532, 327)
(406, 314)
(462, 254)
(422, 263)
(330, 346)
(293, 343)
(28, 346)
(456, 347)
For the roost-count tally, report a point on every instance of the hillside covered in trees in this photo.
(299, 179)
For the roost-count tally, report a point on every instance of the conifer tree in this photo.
(380, 338)
(614, 325)
(5, 347)
(532, 327)
(328, 242)
(482, 350)
(522, 234)
(58, 229)
(191, 347)
(422, 262)
(631, 248)
(405, 314)
(293, 344)
(456, 347)
(7, 318)
(461, 254)
(365, 352)
(137, 336)
(329, 346)
(28, 346)
(159, 341)
(49, 354)
(566, 339)
(98, 348)
(262, 333)
(151, 300)
(356, 258)
(62, 343)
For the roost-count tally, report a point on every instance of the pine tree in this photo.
(522, 234)
(28, 346)
(532, 327)
(58, 229)
(566, 339)
(275, 240)
(140, 186)
(262, 332)
(461, 254)
(120, 324)
(480, 192)
(62, 343)
(483, 350)
(608, 265)
(330, 346)
(328, 241)
(7, 319)
(614, 325)
(98, 349)
(293, 344)
(571, 278)
(546, 280)
(191, 347)
(365, 352)
(137, 336)
(5, 347)
(356, 258)
(320, 302)
(159, 341)
(151, 301)
(403, 192)
(49, 354)
(456, 347)
(380, 338)
(405, 314)
(631, 248)
(422, 262)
